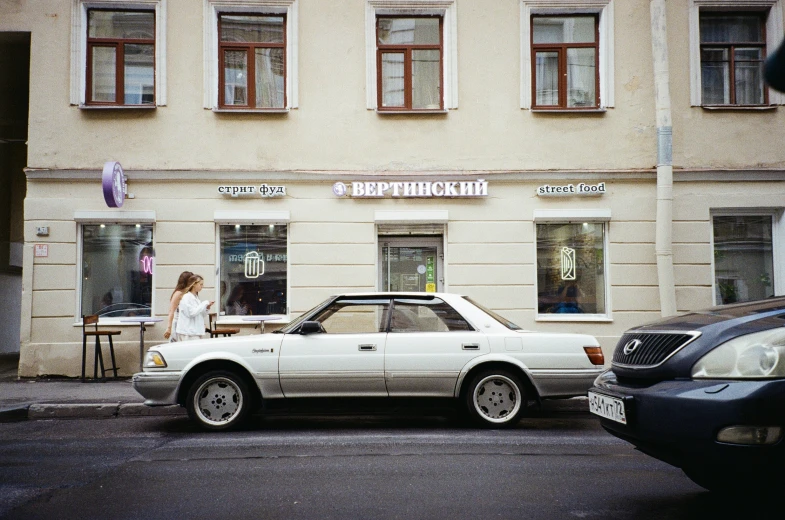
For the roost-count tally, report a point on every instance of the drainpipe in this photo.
(662, 105)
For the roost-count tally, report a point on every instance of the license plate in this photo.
(608, 407)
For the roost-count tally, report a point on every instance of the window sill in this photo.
(600, 110)
(765, 108)
(115, 322)
(411, 112)
(118, 107)
(238, 320)
(595, 318)
(250, 110)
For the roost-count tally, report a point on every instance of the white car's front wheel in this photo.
(218, 400)
(495, 398)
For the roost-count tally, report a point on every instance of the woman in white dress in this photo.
(192, 311)
(174, 303)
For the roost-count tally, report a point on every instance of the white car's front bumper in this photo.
(158, 388)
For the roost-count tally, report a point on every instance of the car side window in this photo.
(433, 315)
(354, 317)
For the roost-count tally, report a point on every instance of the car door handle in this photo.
(366, 347)
(470, 346)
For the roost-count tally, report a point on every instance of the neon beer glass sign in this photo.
(254, 265)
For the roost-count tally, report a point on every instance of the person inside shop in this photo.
(174, 302)
(569, 294)
(235, 304)
(192, 311)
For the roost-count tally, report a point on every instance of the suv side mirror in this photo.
(311, 327)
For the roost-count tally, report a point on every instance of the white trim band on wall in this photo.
(411, 217)
(135, 217)
(251, 217)
(572, 215)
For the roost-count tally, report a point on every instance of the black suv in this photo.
(704, 392)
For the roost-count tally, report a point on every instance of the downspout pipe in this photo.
(662, 105)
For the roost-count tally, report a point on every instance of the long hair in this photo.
(182, 282)
(192, 280)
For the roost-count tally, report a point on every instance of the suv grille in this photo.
(650, 349)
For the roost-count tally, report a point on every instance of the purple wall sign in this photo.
(114, 185)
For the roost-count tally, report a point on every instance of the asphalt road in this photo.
(390, 467)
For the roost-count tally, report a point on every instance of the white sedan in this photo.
(375, 345)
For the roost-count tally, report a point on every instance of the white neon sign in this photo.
(254, 265)
(567, 263)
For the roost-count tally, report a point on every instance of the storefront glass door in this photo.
(411, 264)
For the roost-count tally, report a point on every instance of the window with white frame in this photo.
(572, 281)
(411, 55)
(564, 54)
(567, 54)
(118, 53)
(744, 266)
(253, 269)
(729, 41)
(116, 269)
(251, 52)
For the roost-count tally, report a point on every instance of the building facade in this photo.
(287, 150)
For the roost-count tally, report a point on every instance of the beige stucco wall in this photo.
(332, 129)
(490, 252)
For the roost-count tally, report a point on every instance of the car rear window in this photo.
(501, 319)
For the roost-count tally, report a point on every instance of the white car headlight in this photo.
(154, 359)
(757, 355)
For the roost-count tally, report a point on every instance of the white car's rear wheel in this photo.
(218, 400)
(495, 398)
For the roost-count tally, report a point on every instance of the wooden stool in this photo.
(98, 354)
(214, 330)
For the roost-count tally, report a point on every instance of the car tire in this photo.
(218, 400)
(495, 399)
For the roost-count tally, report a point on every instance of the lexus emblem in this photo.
(631, 346)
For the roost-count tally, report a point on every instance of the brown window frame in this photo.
(119, 45)
(731, 47)
(561, 49)
(250, 50)
(407, 49)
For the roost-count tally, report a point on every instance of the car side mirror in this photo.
(311, 327)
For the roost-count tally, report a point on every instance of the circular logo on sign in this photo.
(339, 189)
(421, 269)
(113, 182)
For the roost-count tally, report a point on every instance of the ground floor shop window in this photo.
(117, 270)
(571, 268)
(743, 258)
(253, 269)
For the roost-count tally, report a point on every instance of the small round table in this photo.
(141, 320)
(260, 319)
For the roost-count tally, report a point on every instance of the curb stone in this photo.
(60, 411)
(142, 410)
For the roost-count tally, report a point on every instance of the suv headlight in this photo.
(154, 359)
(757, 355)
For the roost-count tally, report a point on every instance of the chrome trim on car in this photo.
(694, 333)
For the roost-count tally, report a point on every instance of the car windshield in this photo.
(296, 323)
(504, 321)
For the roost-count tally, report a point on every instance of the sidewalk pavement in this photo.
(49, 398)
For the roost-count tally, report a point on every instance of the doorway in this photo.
(411, 263)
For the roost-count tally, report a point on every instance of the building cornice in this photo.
(632, 175)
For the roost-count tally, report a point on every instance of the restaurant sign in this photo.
(113, 182)
(264, 190)
(566, 190)
(398, 189)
